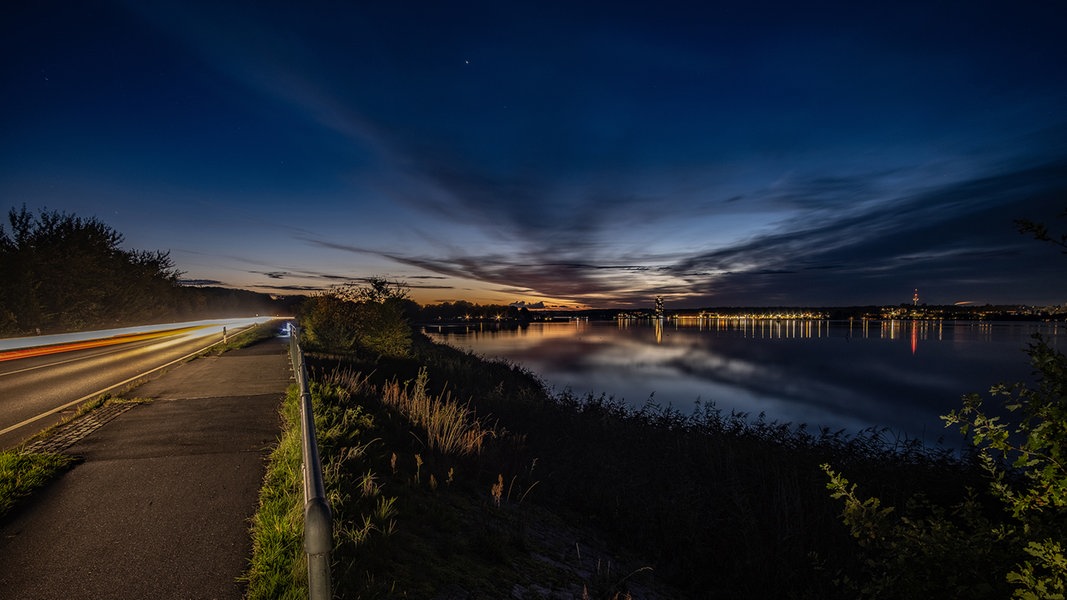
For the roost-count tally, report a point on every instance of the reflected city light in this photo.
(900, 373)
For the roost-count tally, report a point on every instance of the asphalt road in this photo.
(159, 505)
(31, 388)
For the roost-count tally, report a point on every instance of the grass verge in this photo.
(22, 473)
(277, 568)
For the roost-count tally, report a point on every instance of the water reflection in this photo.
(840, 374)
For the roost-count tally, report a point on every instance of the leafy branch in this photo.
(1041, 233)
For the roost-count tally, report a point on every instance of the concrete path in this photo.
(160, 506)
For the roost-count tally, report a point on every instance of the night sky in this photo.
(571, 153)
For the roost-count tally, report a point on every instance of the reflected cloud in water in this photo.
(837, 374)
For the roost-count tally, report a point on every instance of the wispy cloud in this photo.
(936, 239)
(583, 190)
(272, 274)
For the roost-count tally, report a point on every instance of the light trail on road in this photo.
(43, 377)
(71, 346)
(213, 326)
(63, 360)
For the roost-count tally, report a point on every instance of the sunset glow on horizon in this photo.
(598, 155)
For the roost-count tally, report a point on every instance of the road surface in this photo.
(159, 503)
(39, 385)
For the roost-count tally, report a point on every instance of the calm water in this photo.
(839, 374)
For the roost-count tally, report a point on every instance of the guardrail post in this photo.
(318, 541)
(318, 522)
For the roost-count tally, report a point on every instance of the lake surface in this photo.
(837, 374)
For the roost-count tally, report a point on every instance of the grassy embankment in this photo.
(521, 492)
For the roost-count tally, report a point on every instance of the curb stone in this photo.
(67, 434)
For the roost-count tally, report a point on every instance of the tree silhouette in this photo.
(60, 272)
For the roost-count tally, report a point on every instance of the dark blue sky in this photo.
(600, 154)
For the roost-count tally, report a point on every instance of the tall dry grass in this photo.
(451, 427)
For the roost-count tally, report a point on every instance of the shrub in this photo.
(983, 551)
(343, 320)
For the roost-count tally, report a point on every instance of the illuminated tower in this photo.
(915, 298)
(659, 307)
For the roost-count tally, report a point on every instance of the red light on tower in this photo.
(915, 298)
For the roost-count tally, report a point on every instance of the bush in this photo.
(330, 324)
(1013, 543)
(344, 320)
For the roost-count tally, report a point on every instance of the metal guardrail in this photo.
(318, 522)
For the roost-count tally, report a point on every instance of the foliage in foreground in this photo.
(278, 567)
(1006, 540)
(450, 427)
(22, 473)
(1027, 466)
(423, 509)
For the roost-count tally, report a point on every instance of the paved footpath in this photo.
(160, 506)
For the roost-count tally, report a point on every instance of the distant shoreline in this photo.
(950, 313)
